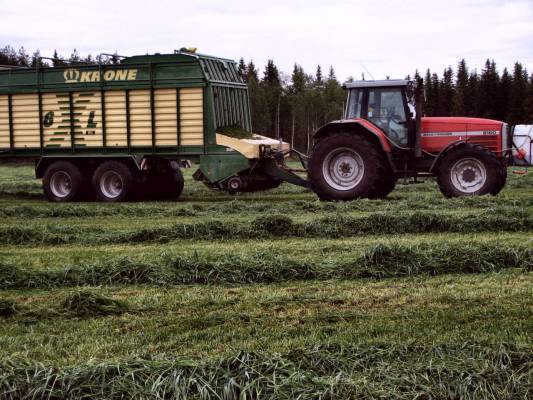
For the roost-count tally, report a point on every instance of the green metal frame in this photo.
(225, 95)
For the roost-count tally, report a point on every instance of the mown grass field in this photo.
(266, 295)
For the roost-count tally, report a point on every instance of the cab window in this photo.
(355, 103)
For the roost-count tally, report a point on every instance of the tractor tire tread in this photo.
(496, 170)
(376, 167)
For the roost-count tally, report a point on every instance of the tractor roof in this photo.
(382, 83)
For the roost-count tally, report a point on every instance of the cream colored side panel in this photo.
(191, 116)
(115, 107)
(26, 121)
(56, 120)
(140, 118)
(166, 124)
(4, 122)
(87, 119)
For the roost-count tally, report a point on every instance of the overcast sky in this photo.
(387, 37)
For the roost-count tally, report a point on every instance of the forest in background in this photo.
(294, 106)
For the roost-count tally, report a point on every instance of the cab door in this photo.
(387, 110)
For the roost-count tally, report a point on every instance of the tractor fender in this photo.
(360, 127)
(444, 152)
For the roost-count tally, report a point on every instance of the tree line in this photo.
(9, 56)
(294, 106)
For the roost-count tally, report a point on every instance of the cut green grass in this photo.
(367, 371)
(269, 226)
(266, 295)
(206, 321)
(378, 261)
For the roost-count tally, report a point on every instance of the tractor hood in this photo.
(437, 132)
(458, 124)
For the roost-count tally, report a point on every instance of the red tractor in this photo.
(383, 138)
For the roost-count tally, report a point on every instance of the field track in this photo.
(266, 295)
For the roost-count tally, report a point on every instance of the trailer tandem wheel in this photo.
(62, 182)
(114, 181)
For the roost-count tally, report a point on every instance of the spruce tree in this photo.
(297, 106)
(57, 60)
(460, 103)
(298, 80)
(436, 100)
(518, 96)
(241, 70)
(251, 72)
(331, 74)
(36, 60)
(334, 96)
(429, 109)
(318, 77)
(271, 85)
(504, 93)
(446, 92)
(8, 56)
(487, 94)
(529, 102)
(258, 104)
(471, 95)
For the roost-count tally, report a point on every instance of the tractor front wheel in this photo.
(345, 166)
(470, 170)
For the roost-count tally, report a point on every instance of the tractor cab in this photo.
(388, 105)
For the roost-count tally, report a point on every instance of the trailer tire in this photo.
(169, 186)
(345, 166)
(62, 182)
(114, 181)
(470, 170)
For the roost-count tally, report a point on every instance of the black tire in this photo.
(168, 186)
(114, 181)
(367, 182)
(503, 179)
(386, 186)
(62, 182)
(470, 170)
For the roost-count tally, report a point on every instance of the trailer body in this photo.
(154, 107)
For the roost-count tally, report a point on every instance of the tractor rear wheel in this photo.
(344, 166)
(386, 186)
(471, 170)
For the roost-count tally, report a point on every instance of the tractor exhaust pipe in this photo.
(419, 106)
